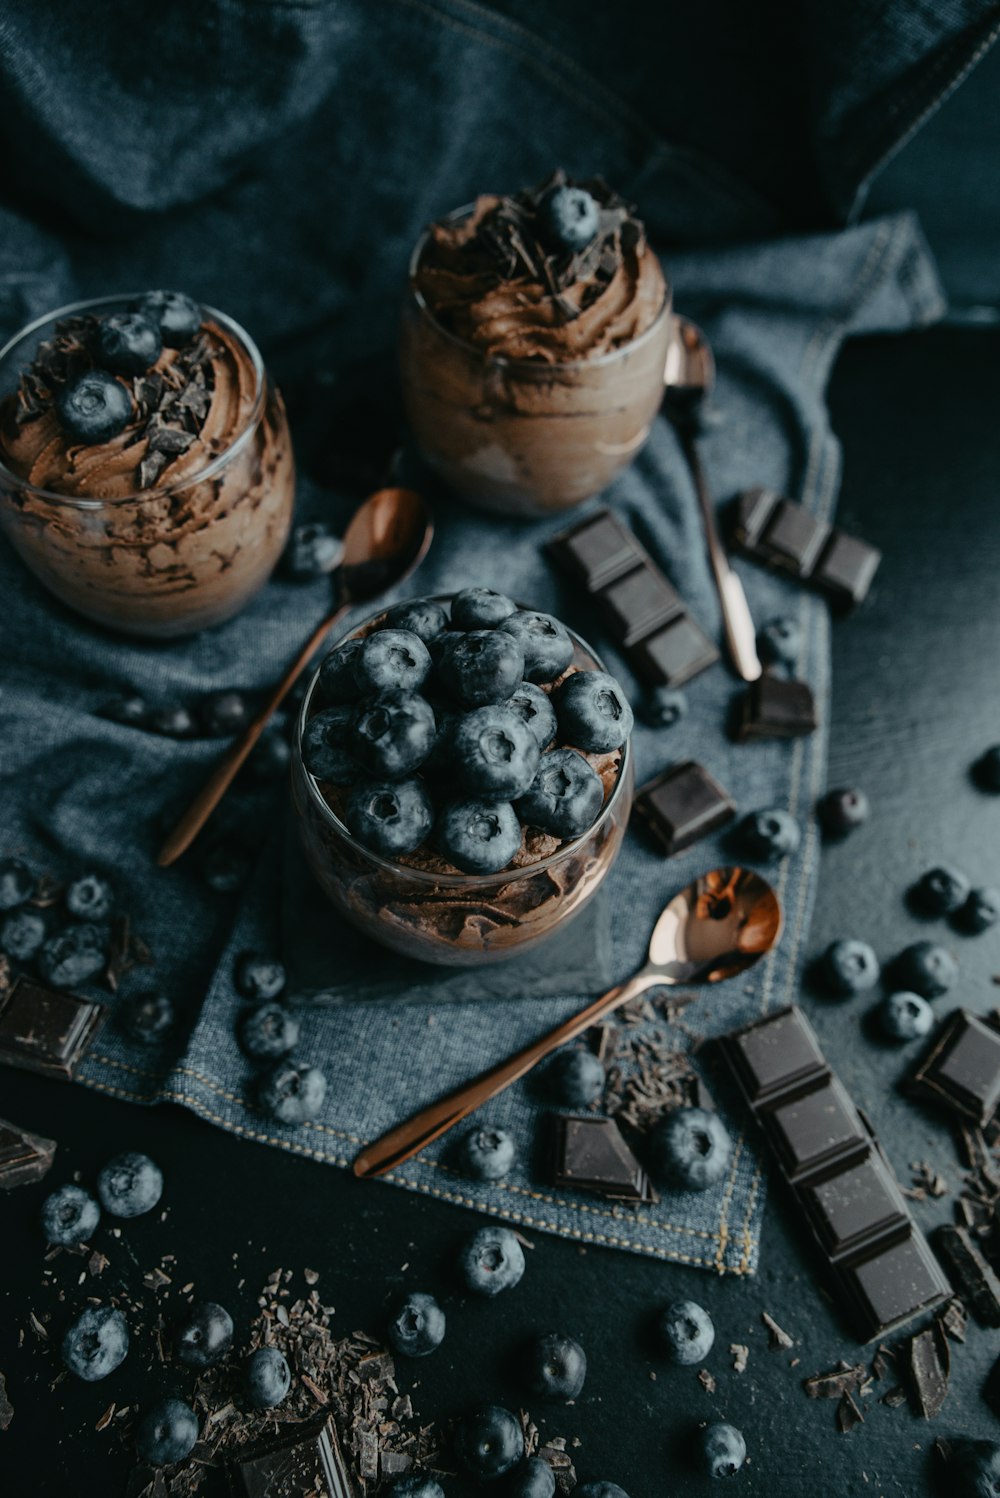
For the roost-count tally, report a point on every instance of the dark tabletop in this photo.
(915, 699)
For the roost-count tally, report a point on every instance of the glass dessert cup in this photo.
(524, 437)
(455, 919)
(163, 561)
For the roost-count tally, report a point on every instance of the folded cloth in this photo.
(79, 790)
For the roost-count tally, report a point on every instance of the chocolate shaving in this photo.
(777, 1337)
(706, 1380)
(894, 1397)
(6, 1408)
(848, 1413)
(928, 1368)
(843, 1379)
(740, 1354)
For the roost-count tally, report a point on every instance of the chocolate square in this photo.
(815, 1130)
(857, 1205)
(590, 1154)
(846, 569)
(962, 1069)
(794, 538)
(45, 1029)
(777, 708)
(894, 1284)
(24, 1157)
(682, 805)
(754, 508)
(674, 654)
(638, 603)
(310, 1464)
(776, 1056)
(597, 551)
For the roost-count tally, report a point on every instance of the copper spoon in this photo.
(385, 540)
(713, 929)
(689, 376)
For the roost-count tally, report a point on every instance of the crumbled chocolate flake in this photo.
(848, 1413)
(97, 1263)
(310, 1276)
(740, 1356)
(928, 1366)
(37, 1327)
(894, 1397)
(6, 1408)
(647, 1075)
(706, 1380)
(882, 1361)
(953, 1320)
(155, 1279)
(926, 1182)
(840, 1380)
(777, 1338)
(106, 1418)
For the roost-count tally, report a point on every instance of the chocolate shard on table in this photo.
(928, 1370)
(309, 1466)
(961, 1071)
(777, 707)
(879, 1262)
(683, 804)
(24, 1157)
(590, 1154)
(46, 1030)
(973, 1279)
(785, 536)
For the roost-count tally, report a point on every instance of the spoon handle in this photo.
(430, 1123)
(222, 777)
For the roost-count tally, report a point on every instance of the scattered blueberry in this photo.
(269, 1031)
(545, 643)
(478, 837)
(337, 682)
(269, 758)
(424, 617)
(417, 1485)
(850, 966)
(480, 608)
(290, 1093)
(555, 1367)
(130, 1185)
(488, 1442)
(906, 1016)
(266, 1378)
(90, 898)
(488, 1154)
(74, 955)
(176, 315)
(842, 810)
(941, 891)
(391, 658)
(146, 1018)
(225, 867)
(723, 1449)
(533, 707)
(22, 934)
(980, 911)
(481, 667)
(770, 834)
(17, 883)
(129, 709)
(167, 1432)
(687, 1332)
(223, 713)
(392, 734)
(780, 641)
(491, 1260)
(128, 343)
(974, 1468)
(662, 707)
(96, 1343)
(417, 1325)
(927, 968)
(568, 217)
(259, 977)
(94, 407)
(325, 751)
(987, 769)
(173, 722)
(575, 1077)
(600, 1490)
(495, 752)
(389, 817)
(204, 1334)
(593, 711)
(532, 1479)
(69, 1215)
(313, 550)
(565, 797)
(691, 1148)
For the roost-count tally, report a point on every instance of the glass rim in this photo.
(156, 491)
(533, 367)
(425, 876)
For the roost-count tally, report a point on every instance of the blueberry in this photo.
(941, 891)
(481, 667)
(662, 707)
(130, 1185)
(325, 751)
(770, 834)
(313, 550)
(488, 1442)
(593, 711)
(90, 898)
(96, 1343)
(225, 868)
(204, 1334)
(417, 1325)
(258, 976)
(687, 1332)
(73, 956)
(544, 642)
(491, 1260)
(478, 837)
(176, 315)
(266, 1378)
(128, 342)
(568, 218)
(392, 734)
(780, 641)
(555, 1367)
(269, 758)
(723, 1449)
(532, 1479)
(69, 1215)
(17, 883)
(22, 934)
(480, 608)
(850, 966)
(391, 658)
(980, 911)
(174, 721)
(575, 1077)
(269, 1031)
(94, 407)
(146, 1018)
(494, 752)
(337, 682)
(167, 1432)
(690, 1148)
(600, 1490)
(415, 1485)
(443, 643)
(565, 797)
(974, 1468)
(292, 1093)
(488, 1154)
(129, 709)
(424, 617)
(906, 1016)
(223, 713)
(533, 707)
(927, 968)
(390, 817)
(987, 770)
(842, 810)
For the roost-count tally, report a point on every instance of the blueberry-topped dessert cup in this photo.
(534, 343)
(146, 470)
(462, 776)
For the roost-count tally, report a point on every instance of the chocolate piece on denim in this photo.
(590, 1154)
(45, 1029)
(682, 805)
(785, 536)
(846, 569)
(777, 708)
(673, 654)
(598, 551)
(638, 604)
(24, 1157)
(972, 1278)
(962, 1069)
(310, 1464)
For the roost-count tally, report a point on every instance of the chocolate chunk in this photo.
(24, 1157)
(46, 1030)
(775, 1057)
(793, 538)
(310, 1464)
(971, 1276)
(962, 1069)
(598, 551)
(846, 569)
(893, 1285)
(837, 1382)
(590, 1154)
(682, 805)
(928, 1366)
(674, 654)
(819, 1129)
(784, 535)
(777, 708)
(638, 604)
(855, 1207)
(848, 1413)
(6, 1408)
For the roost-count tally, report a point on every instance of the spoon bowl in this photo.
(689, 372)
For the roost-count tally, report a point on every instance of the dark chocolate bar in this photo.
(682, 805)
(673, 654)
(24, 1157)
(775, 707)
(590, 1154)
(878, 1258)
(962, 1069)
(310, 1464)
(785, 536)
(44, 1029)
(971, 1276)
